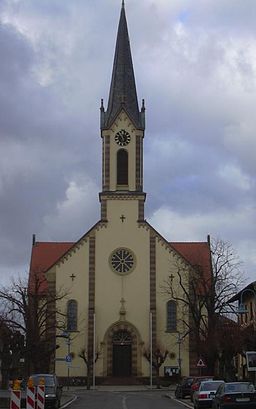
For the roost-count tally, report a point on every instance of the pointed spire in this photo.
(123, 89)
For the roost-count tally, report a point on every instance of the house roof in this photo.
(249, 289)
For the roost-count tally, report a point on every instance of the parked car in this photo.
(53, 390)
(235, 395)
(183, 388)
(196, 384)
(205, 394)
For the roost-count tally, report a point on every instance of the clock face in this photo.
(122, 137)
(122, 261)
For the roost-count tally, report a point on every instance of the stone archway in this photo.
(122, 350)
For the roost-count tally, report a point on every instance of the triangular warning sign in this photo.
(200, 363)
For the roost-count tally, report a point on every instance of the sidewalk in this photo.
(119, 388)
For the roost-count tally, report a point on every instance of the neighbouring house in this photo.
(246, 310)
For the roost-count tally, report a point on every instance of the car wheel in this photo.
(57, 404)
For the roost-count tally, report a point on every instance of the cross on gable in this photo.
(72, 277)
(123, 218)
(171, 277)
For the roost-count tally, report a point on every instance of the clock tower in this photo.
(122, 132)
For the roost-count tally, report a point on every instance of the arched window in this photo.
(72, 315)
(171, 322)
(122, 167)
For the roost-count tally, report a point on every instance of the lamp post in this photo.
(66, 335)
(179, 340)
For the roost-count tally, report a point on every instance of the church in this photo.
(115, 274)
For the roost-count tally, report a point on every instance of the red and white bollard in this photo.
(15, 400)
(31, 395)
(40, 396)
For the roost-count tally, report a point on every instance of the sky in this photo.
(195, 65)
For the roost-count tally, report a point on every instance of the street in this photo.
(124, 400)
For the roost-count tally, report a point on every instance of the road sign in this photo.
(200, 363)
(68, 359)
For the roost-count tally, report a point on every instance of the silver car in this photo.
(205, 394)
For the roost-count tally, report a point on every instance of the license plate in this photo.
(242, 399)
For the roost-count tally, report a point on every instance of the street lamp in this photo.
(242, 308)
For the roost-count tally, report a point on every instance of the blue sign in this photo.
(68, 358)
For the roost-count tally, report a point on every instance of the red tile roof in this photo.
(197, 254)
(43, 256)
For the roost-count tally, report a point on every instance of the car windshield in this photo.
(239, 387)
(210, 386)
(49, 380)
(187, 381)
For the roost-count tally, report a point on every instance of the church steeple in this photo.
(123, 92)
(122, 133)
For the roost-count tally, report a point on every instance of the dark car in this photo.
(183, 388)
(235, 395)
(53, 390)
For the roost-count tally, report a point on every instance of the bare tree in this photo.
(159, 356)
(88, 359)
(204, 294)
(11, 352)
(31, 311)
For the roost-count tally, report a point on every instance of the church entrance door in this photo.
(122, 354)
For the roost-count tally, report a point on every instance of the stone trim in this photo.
(141, 211)
(91, 297)
(153, 285)
(123, 195)
(104, 210)
(106, 163)
(138, 164)
(51, 314)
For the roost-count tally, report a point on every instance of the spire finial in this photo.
(122, 4)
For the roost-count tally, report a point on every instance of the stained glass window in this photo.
(72, 315)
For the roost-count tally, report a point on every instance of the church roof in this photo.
(197, 253)
(123, 92)
(44, 255)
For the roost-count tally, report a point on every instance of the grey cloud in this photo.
(199, 102)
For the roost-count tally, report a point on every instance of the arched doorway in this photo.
(122, 353)
(122, 350)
